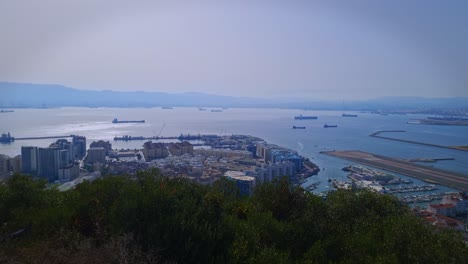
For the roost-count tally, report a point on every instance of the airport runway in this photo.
(425, 173)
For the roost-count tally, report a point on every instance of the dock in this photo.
(181, 137)
(400, 166)
(51, 137)
(377, 135)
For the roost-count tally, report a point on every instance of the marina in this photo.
(422, 198)
(416, 188)
(428, 174)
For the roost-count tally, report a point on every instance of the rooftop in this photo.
(441, 206)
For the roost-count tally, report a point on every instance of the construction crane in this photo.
(162, 128)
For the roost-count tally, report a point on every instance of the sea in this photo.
(272, 125)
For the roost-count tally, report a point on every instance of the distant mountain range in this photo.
(24, 95)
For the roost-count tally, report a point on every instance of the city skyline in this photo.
(322, 50)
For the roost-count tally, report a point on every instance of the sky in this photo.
(330, 50)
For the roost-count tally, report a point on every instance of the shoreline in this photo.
(427, 174)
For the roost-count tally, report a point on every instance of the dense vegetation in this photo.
(156, 219)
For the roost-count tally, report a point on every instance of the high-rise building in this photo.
(179, 149)
(49, 163)
(154, 151)
(69, 172)
(102, 144)
(29, 158)
(246, 184)
(9, 165)
(15, 164)
(66, 146)
(4, 165)
(79, 147)
(96, 155)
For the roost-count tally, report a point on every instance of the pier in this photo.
(377, 135)
(425, 173)
(35, 138)
(181, 137)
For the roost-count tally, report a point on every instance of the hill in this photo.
(155, 219)
(18, 95)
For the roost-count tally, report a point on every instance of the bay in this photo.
(273, 125)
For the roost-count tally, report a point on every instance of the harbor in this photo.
(424, 198)
(403, 167)
(180, 137)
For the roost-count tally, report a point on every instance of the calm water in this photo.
(273, 125)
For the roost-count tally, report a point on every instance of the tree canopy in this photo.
(154, 219)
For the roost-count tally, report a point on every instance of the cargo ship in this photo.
(299, 127)
(6, 138)
(447, 118)
(6, 111)
(216, 110)
(348, 115)
(116, 121)
(327, 126)
(301, 117)
(128, 138)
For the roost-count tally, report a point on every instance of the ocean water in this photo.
(273, 125)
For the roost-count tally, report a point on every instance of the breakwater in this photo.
(377, 135)
(181, 137)
(49, 137)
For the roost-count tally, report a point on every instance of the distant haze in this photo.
(332, 50)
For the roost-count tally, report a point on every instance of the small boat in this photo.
(299, 127)
(216, 110)
(327, 126)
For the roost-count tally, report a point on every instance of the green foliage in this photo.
(152, 218)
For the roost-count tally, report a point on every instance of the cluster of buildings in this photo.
(451, 205)
(445, 213)
(244, 159)
(58, 162)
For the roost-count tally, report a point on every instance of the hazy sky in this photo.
(308, 49)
